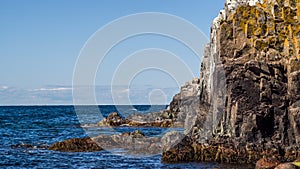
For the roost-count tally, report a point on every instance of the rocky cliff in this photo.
(246, 104)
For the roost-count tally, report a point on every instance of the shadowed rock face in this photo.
(259, 51)
(249, 85)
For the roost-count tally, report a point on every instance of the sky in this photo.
(40, 42)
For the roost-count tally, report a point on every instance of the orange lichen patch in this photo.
(282, 13)
(262, 5)
(298, 10)
(286, 46)
(290, 30)
(244, 27)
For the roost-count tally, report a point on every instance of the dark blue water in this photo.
(44, 125)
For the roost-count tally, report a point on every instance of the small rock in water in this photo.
(137, 134)
(76, 145)
(40, 146)
(21, 146)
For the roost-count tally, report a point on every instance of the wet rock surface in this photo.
(135, 143)
(76, 145)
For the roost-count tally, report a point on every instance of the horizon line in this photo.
(7, 105)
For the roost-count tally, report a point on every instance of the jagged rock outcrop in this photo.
(132, 142)
(249, 95)
(154, 119)
(186, 103)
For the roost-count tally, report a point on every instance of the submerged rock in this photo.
(29, 146)
(21, 146)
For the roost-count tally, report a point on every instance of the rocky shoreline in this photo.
(245, 107)
(156, 119)
(250, 83)
(135, 143)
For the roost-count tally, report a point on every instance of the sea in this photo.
(41, 126)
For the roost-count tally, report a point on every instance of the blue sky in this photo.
(41, 40)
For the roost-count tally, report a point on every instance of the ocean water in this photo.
(42, 126)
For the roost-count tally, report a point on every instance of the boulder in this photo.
(113, 119)
(154, 119)
(135, 143)
(76, 145)
(265, 163)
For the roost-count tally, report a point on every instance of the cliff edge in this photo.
(246, 104)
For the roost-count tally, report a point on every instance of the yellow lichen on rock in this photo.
(273, 24)
(298, 11)
(258, 48)
(286, 47)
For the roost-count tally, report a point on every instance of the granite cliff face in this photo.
(246, 104)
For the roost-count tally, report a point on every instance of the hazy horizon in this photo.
(41, 41)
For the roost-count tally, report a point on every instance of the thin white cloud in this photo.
(50, 95)
(125, 91)
(3, 87)
(53, 89)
